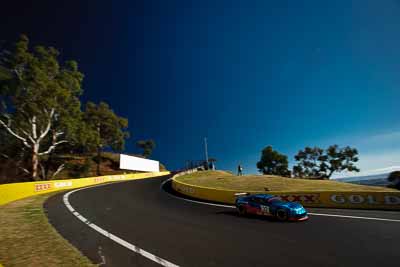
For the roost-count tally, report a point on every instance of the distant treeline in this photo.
(316, 163)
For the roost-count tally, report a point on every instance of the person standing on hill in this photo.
(240, 170)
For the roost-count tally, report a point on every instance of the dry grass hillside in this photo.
(76, 166)
(225, 180)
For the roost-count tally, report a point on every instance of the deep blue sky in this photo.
(244, 74)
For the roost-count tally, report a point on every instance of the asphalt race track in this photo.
(192, 234)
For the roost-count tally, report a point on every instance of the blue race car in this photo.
(269, 205)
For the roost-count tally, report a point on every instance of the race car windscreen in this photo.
(274, 199)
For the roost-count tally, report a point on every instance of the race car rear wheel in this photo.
(242, 210)
(282, 215)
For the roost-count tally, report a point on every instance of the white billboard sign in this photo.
(138, 164)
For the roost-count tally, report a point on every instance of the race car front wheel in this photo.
(282, 215)
(242, 210)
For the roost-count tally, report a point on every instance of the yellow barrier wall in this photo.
(327, 199)
(11, 192)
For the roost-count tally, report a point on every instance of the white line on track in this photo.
(111, 236)
(354, 217)
(310, 213)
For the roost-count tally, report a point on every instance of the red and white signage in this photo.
(304, 198)
(42, 187)
(99, 179)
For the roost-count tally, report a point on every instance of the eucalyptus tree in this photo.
(147, 146)
(40, 106)
(108, 130)
(273, 162)
(322, 163)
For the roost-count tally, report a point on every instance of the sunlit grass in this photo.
(225, 180)
(27, 238)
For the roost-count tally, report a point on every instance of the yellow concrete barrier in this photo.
(326, 199)
(11, 192)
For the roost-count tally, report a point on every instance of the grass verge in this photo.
(225, 180)
(28, 239)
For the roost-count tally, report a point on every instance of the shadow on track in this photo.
(270, 219)
(167, 187)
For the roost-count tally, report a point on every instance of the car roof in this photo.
(264, 196)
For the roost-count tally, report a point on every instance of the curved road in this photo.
(193, 234)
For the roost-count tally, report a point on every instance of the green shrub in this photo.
(78, 170)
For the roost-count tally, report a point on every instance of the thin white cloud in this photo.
(388, 137)
(376, 163)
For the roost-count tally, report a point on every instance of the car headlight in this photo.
(300, 210)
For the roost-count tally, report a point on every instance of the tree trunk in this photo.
(49, 161)
(35, 162)
(98, 160)
(98, 150)
(330, 174)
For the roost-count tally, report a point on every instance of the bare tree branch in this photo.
(14, 134)
(28, 135)
(24, 170)
(52, 147)
(59, 169)
(46, 131)
(33, 141)
(18, 74)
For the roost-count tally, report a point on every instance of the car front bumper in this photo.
(297, 219)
